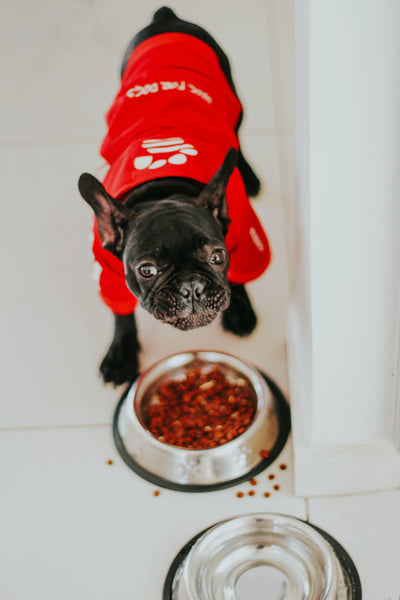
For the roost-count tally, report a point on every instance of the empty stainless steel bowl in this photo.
(198, 470)
(261, 556)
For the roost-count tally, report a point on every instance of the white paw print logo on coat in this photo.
(174, 151)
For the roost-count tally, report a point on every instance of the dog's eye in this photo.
(147, 270)
(217, 257)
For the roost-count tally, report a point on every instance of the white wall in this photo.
(343, 322)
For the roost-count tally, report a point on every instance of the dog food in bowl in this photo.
(208, 457)
(201, 409)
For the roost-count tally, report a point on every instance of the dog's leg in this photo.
(240, 317)
(250, 179)
(121, 363)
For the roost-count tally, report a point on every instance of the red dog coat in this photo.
(175, 115)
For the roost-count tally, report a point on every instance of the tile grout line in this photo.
(350, 494)
(49, 142)
(96, 139)
(277, 95)
(49, 427)
(307, 510)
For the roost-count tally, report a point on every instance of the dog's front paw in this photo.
(240, 317)
(120, 364)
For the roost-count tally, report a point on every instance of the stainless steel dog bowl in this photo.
(200, 470)
(261, 556)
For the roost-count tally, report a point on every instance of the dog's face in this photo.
(173, 250)
(176, 262)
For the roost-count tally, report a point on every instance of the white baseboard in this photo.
(331, 469)
(334, 470)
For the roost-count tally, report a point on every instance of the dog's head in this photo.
(173, 250)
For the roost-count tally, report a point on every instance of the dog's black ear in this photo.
(213, 196)
(112, 216)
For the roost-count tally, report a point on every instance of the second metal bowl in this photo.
(262, 555)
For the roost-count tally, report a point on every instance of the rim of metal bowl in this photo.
(350, 588)
(254, 377)
(282, 413)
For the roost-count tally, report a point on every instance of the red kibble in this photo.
(240, 494)
(253, 481)
(264, 453)
(283, 467)
(251, 493)
(110, 462)
(277, 487)
(271, 476)
(267, 494)
(202, 410)
(156, 493)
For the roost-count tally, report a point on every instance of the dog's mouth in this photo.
(192, 321)
(170, 307)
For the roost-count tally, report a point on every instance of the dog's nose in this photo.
(198, 289)
(192, 289)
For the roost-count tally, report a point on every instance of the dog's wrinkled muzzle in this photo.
(190, 308)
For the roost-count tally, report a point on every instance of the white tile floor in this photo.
(71, 525)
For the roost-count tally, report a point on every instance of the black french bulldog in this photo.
(169, 230)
